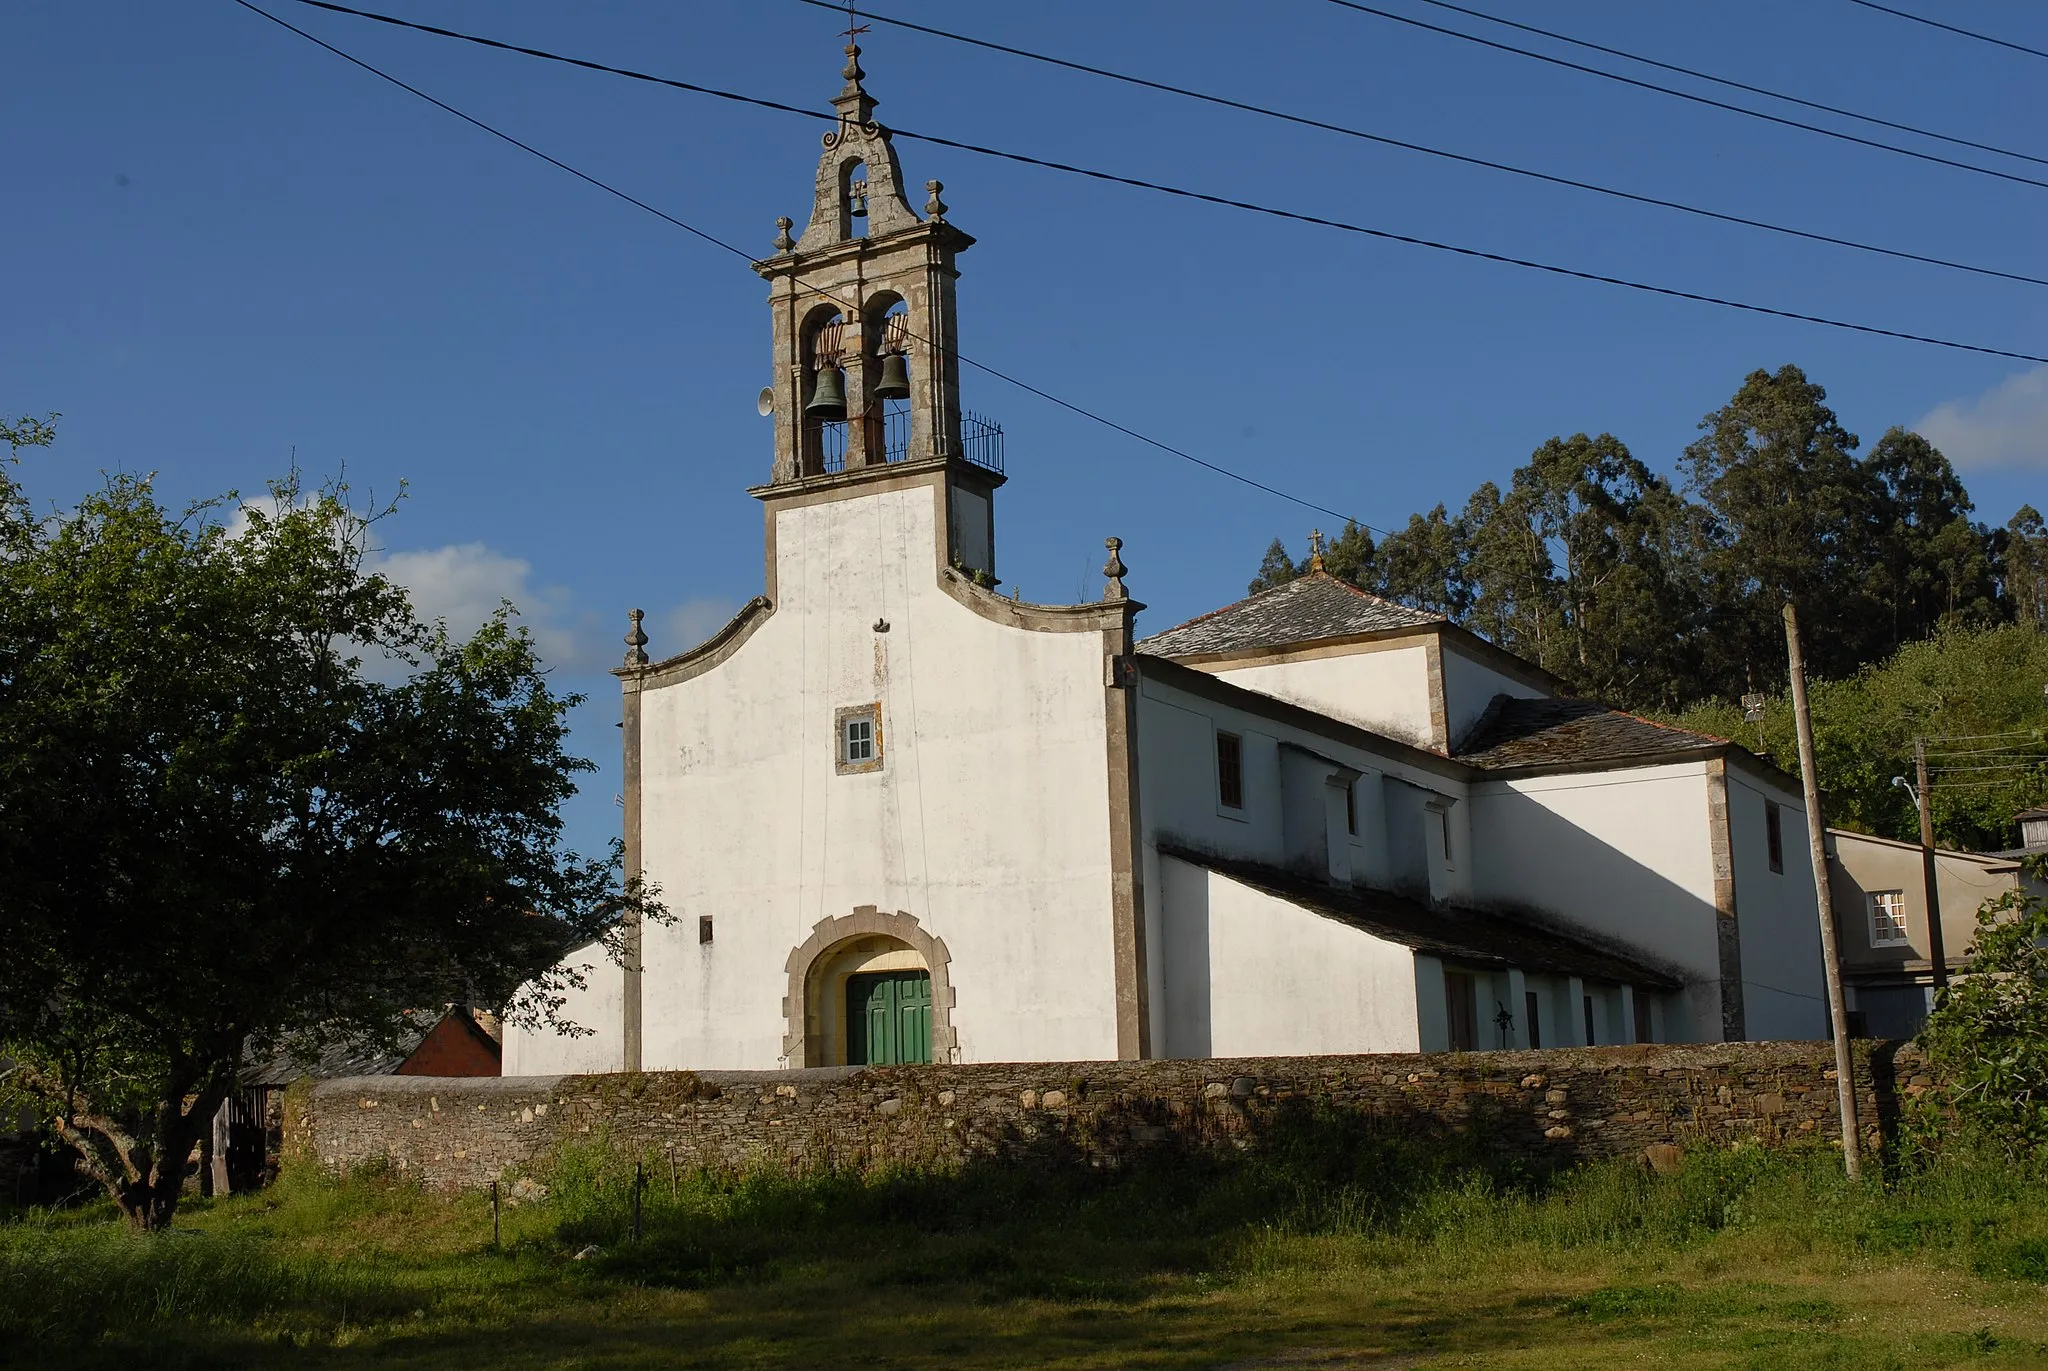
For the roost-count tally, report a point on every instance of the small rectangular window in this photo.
(1643, 1033)
(1774, 835)
(1351, 809)
(1530, 1000)
(703, 928)
(1887, 918)
(1441, 818)
(1590, 1039)
(858, 745)
(1230, 770)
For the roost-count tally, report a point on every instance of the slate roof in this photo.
(1517, 733)
(1473, 937)
(1303, 610)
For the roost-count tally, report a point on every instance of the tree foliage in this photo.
(1657, 595)
(248, 799)
(1987, 1038)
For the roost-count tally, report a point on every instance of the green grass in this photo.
(1329, 1248)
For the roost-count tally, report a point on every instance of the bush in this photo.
(1987, 1039)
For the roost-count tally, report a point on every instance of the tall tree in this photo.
(1352, 555)
(2023, 568)
(1789, 512)
(1276, 568)
(1935, 560)
(221, 830)
(1424, 565)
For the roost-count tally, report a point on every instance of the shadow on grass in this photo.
(1331, 1232)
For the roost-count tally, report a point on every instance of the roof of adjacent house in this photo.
(1308, 608)
(355, 1056)
(1462, 934)
(1517, 733)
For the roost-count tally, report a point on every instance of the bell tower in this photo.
(867, 380)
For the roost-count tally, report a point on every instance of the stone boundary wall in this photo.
(1549, 1107)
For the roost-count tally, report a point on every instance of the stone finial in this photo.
(1315, 550)
(636, 640)
(935, 208)
(854, 103)
(1114, 569)
(783, 224)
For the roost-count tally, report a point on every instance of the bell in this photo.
(828, 397)
(895, 381)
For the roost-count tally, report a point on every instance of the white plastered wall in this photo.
(988, 820)
(1247, 975)
(1385, 689)
(1784, 987)
(1470, 685)
(597, 1007)
(1625, 855)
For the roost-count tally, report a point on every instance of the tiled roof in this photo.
(1303, 610)
(1515, 733)
(1457, 933)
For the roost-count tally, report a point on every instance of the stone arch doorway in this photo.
(869, 987)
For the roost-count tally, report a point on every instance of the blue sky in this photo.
(224, 244)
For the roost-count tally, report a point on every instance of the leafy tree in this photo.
(1424, 565)
(1935, 561)
(2023, 557)
(1275, 569)
(251, 800)
(1979, 689)
(1987, 1038)
(1351, 555)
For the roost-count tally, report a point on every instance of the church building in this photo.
(899, 816)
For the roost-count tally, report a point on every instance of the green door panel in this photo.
(888, 1018)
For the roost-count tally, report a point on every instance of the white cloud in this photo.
(689, 624)
(2007, 425)
(463, 583)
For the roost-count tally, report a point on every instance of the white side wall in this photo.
(1386, 690)
(1784, 985)
(1625, 855)
(988, 820)
(1470, 685)
(1248, 975)
(597, 1007)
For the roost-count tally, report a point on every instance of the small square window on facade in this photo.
(1230, 771)
(858, 740)
(1774, 834)
(1887, 918)
(703, 928)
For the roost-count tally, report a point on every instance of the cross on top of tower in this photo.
(1315, 549)
(853, 30)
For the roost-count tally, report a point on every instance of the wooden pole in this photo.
(494, 1215)
(1817, 840)
(1928, 876)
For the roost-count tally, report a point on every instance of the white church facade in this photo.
(899, 816)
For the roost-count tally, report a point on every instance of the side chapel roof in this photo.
(1517, 733)
(1458, 933)
(1310, 607)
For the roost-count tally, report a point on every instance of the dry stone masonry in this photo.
(1551, 1107)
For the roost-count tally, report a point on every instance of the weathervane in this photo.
(853, 30)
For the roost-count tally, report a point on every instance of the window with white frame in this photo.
(1887, 918)
(858, 745)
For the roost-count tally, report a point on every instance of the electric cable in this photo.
(748, 257)
(1744, 86)
(1695, 98)
(1951, 28)
(1384, 235)
(1384, 140)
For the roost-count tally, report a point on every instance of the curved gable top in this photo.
(1305, 610)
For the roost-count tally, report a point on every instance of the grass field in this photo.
(1331, 1250)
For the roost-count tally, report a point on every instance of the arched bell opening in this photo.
(823, 393)
(869, 988)
(853, 200)
(886, 376)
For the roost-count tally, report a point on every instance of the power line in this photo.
(1951, 28)
(1702, 99)
(1743, 86)
(1384, 235)
(745, 256)
(1384, 140)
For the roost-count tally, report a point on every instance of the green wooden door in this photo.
(888, 1018)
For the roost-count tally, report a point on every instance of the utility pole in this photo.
(1817, 839)
(1924, 800)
